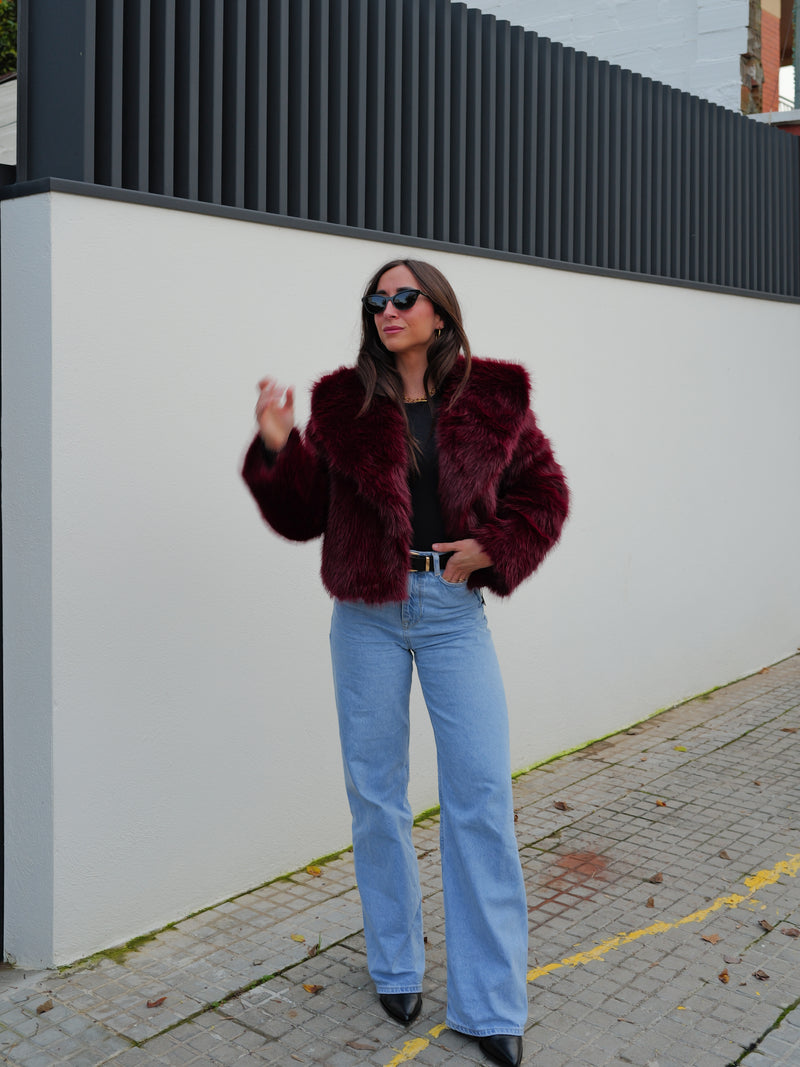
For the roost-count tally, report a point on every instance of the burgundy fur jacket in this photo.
(347, 479)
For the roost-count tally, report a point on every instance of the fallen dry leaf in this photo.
(313, 989)
(315, 872)
(724, 976)
(650, 903)
(562, 805)
(661, 803)
(732, 959)
(723, 855)
(765, 925)
(756, 783)
(762, 976)
(789, 729)
(298, 937)
(362, 1046)
(46, 1006)
(711, 938)
(790, 931)
(156, 1003)
(516, 814)
(680, 748)
(657, 879)
(313, 951)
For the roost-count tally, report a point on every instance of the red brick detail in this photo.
(770, 59)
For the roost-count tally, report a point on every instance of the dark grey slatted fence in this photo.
(414, 117)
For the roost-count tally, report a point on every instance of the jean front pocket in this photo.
(452, 585)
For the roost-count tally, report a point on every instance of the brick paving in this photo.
(658, 862)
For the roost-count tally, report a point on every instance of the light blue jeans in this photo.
(443, 628)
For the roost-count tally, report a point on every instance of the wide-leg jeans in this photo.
(442, 627)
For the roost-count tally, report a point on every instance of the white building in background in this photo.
(710, 48)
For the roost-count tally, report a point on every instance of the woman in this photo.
(426, 474)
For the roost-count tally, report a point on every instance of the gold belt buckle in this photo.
(428, 561)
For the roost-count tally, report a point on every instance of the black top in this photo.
(426, 512)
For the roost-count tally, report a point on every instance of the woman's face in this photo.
(404, 332)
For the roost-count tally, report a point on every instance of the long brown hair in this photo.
(376, 365)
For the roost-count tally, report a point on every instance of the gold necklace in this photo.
(419, 399)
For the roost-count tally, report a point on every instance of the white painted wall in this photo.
(170, 732)
(692, 45)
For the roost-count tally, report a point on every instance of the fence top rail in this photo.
(70, 187)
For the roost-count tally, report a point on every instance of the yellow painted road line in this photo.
(409, 1051)
(411, 1048)
(753, 882)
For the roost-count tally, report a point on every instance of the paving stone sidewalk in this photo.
(663, 874)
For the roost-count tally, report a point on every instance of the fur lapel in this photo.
(478, 434)
(370, 449)
(476, 438)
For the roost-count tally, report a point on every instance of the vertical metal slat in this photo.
(474, 116)
(581, 148)
(606, 161)
(636, 149)
(393, 140)
(458, 125)
(615, 165)
(592, 223)
(543, 149)
(567, 184)
(626, 150)
(487, 183)
(668, 187)
(409, 119)
(657, 233)
(337, 111)
(211, 100)
(56, 62)
(516, 143)
(136, 103)
(162, 81)
(684, 266)
(427, 119)
(234, 96)
(319, 75)
(299, 124)
(502, 127)
(556, 150)
(187, 99)
(443, 114)
(376, 116)
(278, 108)
(115, 91)
(256, 119)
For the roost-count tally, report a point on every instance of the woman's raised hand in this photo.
(274, 413)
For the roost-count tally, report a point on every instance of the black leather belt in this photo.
(425, 563)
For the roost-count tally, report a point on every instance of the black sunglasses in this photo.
(403, 300)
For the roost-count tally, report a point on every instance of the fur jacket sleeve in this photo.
(346, 478)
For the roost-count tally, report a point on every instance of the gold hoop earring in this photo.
(438, 333)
